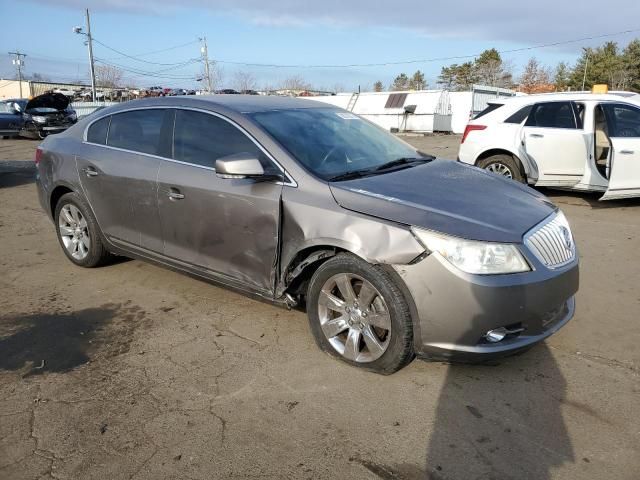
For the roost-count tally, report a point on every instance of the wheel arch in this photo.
(302, 266)
(503, 151)
(56, 194)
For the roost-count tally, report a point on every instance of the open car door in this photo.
(624, 167)
(553, 139)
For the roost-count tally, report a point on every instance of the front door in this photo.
(228, 227)
(118, 167)
(554, 140)
(623, 121)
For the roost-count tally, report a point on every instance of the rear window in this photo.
(138, 131)
(520, 116)
(97, 132)
(490, 108)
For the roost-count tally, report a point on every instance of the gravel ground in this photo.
(132, 371)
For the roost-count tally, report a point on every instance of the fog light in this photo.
(496, 335)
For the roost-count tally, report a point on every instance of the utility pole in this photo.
(19, 63)
(205, 56)
(91, 64)
(584, 77)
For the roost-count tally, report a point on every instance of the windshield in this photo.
(10, 106)
(331, 143)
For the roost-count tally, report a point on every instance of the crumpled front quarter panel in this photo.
(313, 218)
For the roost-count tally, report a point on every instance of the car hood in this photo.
(49, 100)
(448, 197)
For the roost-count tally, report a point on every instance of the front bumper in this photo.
(453, 310)
(32, 129)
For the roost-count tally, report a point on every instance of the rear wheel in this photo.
(504, 165)
(78, 232)
(358, 314)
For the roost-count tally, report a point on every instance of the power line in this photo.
(429, 60)
(155, 72)
(131, 56)
(143, 73)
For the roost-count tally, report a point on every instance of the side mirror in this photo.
(239, 165)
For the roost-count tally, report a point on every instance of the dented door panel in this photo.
(224, 226)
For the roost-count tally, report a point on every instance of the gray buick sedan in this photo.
(392, 252)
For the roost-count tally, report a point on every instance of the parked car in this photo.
(576, 141)
(227, 91)
(66, 92)
(46, 114)
(11, 120)
(177, 91)
(393, 252)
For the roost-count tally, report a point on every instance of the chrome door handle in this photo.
(536, 135)
(173, 195)
(626, 152)
(90, 172)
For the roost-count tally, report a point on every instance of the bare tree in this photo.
(295, 82)
(217, 77)
(244, 81)
(536, 78)
(108, 76)
(378, 86)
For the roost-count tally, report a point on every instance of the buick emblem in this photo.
(566, 237)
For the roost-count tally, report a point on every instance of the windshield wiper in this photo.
(352, 174)
(403, 161)
(381, 168)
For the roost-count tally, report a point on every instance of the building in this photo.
(11, 88)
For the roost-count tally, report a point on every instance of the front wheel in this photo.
(504, 165)
(358, 314)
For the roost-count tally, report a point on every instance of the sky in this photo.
(331, 33)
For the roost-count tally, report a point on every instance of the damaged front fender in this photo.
(317, 225)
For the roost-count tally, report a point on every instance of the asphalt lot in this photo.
(132, 371)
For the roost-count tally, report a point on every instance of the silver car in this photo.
(392, 252)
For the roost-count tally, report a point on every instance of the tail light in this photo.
(470, 128)
(38, 156)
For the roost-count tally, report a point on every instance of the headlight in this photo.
(480, 258)
(38, 118)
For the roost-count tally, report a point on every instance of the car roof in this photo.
(237, 103)
(570, 96)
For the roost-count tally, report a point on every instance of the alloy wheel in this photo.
(354, 318)
(74, 231)
(500, 169)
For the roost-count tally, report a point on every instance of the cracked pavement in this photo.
(132, 371)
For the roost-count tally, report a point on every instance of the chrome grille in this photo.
(552, 242)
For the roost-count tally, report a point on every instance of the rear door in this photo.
(225, 226)
(553, 139)
(623, 122)
(118, 168)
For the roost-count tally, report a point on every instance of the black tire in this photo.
(399, 350)
(97, 253)
(513, 165)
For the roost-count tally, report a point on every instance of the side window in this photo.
(552, 115)
(138, 130)
(201, 138)
(97, 132)
(520, 115)
(622, 120)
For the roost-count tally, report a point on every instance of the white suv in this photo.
(578, 141)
